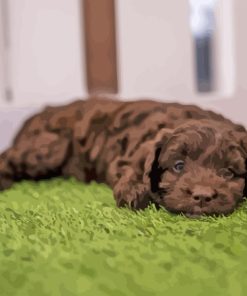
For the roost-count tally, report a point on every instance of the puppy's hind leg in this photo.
(6, 172)
(37, 157)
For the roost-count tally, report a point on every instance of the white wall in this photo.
(235, 107)
(1, 56)
(155, 49)
(46, 46)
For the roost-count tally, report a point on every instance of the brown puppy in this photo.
(180, 157)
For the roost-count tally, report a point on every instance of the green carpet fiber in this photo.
(61, 237)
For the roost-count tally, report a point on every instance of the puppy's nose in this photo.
(204, 195)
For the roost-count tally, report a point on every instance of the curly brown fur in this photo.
(180, 157)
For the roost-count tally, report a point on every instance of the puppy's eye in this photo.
(178, 166)
(226, 173)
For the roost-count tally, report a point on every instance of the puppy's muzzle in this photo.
(203, 195)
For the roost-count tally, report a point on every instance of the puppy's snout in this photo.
(203, 198)
(204, 195)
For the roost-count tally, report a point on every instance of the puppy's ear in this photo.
(152, 169)
(243, 142)
(241, 138)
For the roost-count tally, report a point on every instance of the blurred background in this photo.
(53, 51)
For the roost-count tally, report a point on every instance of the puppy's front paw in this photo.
(135, 196)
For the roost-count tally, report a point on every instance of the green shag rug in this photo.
(61, 237)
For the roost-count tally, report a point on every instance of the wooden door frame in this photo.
(98, 20)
